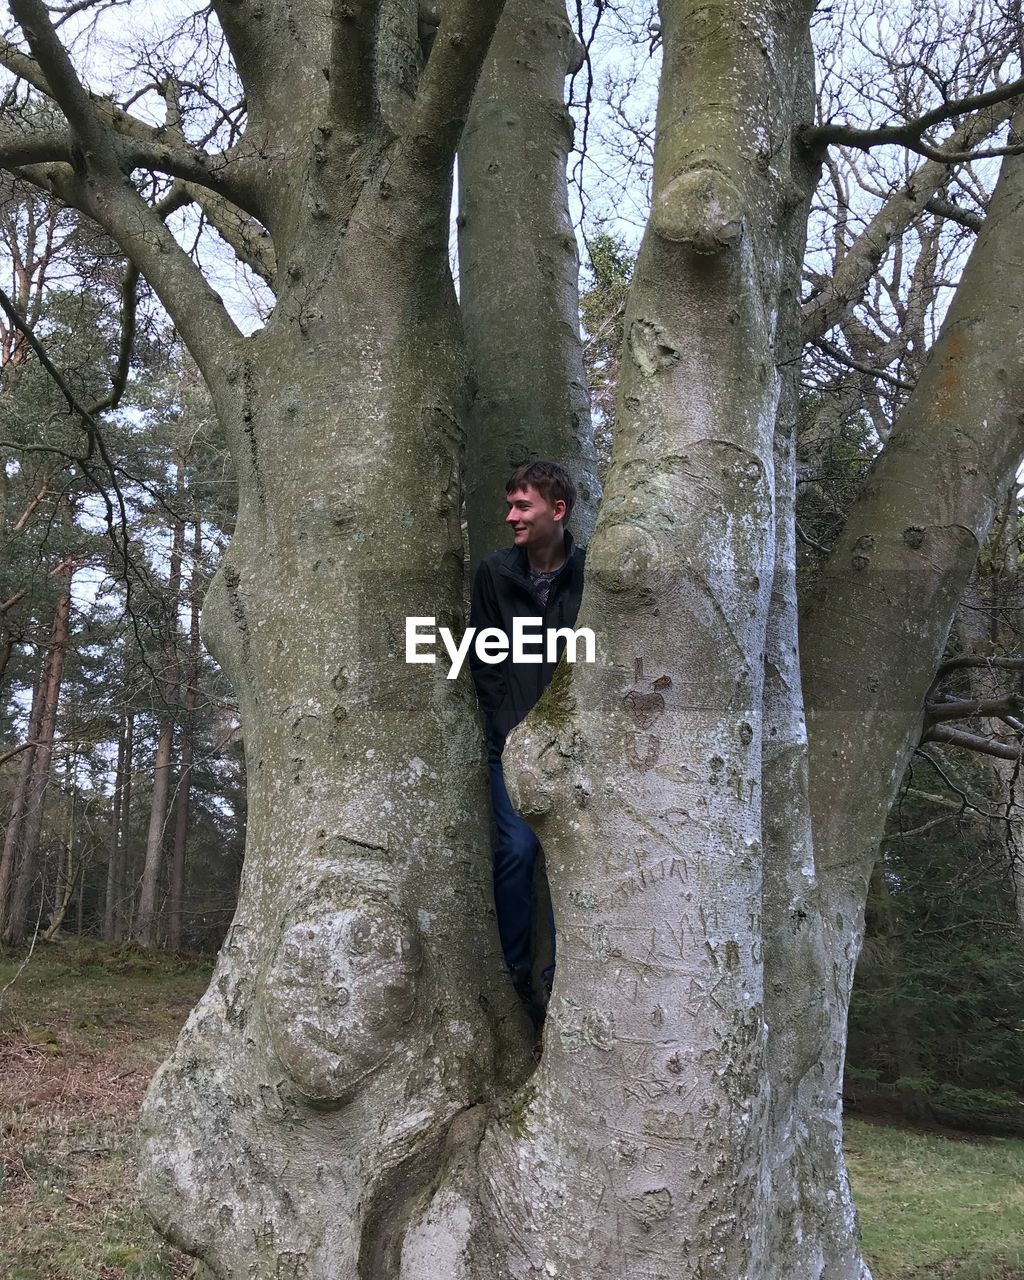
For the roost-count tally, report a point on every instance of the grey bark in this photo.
(144, 924)
(674, 1093)
(519, 272)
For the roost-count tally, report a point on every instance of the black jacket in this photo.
(501, 592)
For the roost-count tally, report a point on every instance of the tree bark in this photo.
(69, 871)
(12, 836)
(175, 906)
(115, 870)
(519, 273)
(144, 926)
(144, 930)
(669, 782)
(875, 628)
(124, 903)
(39, 777)
(360, 992)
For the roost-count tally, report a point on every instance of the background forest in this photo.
(121, 777)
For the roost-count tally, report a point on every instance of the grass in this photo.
(82, 1028)
(938, 1205)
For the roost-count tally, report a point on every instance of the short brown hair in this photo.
(549, 479)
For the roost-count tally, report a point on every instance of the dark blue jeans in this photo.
(515, 853)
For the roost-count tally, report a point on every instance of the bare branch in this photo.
(972, 660)
(64, 84)
(910, 133)
(251, 242)
(972, 742)
(854, 274)
(34, 146)
(129, 308)
(953, 213)
(837, 353)
(24, 67)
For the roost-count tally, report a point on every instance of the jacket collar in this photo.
(519, 565)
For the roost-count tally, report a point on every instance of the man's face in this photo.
(535, 521)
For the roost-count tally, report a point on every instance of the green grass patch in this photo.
(938, 1206)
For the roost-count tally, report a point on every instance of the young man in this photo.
(539, 576)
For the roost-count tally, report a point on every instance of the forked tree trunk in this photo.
(349, 1055)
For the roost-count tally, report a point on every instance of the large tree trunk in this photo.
(669, 782)
(359, 991)
(876, 626)
(39, 777)
(519, 272)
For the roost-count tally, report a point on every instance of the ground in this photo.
(83, 1027)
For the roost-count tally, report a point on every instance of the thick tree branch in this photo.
(34, 146)
(24, 67)
(953, 213)
(447, 85)
(96, 186)
(970, 660)
(252, 31)
(967, 710)
(129, 310)
(65, 86)
(354, 105)
(910, 133)
(250, 241)
(972, 742)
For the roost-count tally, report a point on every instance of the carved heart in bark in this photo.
(645, 708)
